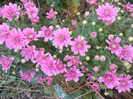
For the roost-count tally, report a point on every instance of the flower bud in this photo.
(37, 70)
(96, 69)
(122, 12)
(106, 93)
(111, 36)
(130, 39)
(100, 30)
(73, 22)
(102, 58)
(78, 13)
(70, 32)
(87, 13)
(116, 1)
(97, 47)
(96, 57)
(23, 60)
(119, 3)
(56, 12)
(86, 70)
(126, 63)
(82, 67)
(93, 23)
(84, 22)
(55, 56)
(63, 20)
(82, 38)
(102, 1)
(131, 25)
(132, 15)
(60, 51)
(93, 77)
(87, 58)
(57, 26)
(4, 81)
(121, 34)
(14, 73)
(118, 18)
(129, 66)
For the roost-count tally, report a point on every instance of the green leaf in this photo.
(56, 95)
(23, 68)
(76, 1)
(47, 91)
(3, 92)
(61, 93)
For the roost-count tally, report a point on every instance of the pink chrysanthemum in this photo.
(113, 67)
(27, 76)
(32, 12)
(73, 61)
(107, 12)
(114, 45)
(4, 29)
(34, 19)
(59, 66)
(90, 77)
(61, 38)
(93, 34)
(127, 53)
(10, 11)
(1, 12)
(91, 2)
(29, 4)
(49, 79)
(29, 35)
(128, 7)
(48, 66)
(125, 83)
(79, 46)
(29, 53)
(73, 74)
(14, 39)
(110, 80)
(51, 14)
(46, 33)
(6, 62)
(24, 1)
(95, 86)
(40, 79)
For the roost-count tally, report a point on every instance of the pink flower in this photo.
(29, 35)
(32, 12)
(132, 15)
(23, 12)
(125, 83)
(110, 80)
(102, 58)
(27, 76)
(93, 34)
(107, 12)
(61, 38)
(24, 1)
(73, 22)
(48, 66)
(34, 19)
(127, 53)
(95, 86)
(4, 29)
(46, 32)
(90, 77)
(82, 67)
(96, 69)
(40, 79)
(86, 70)
(39, 56)
(73, 74)
(113, 67)
(59, 66)
(29, 4)
(29, 53)
(73, 61)
(91, 2)
(6, 62)
(96, 57)
(10, 11)
(1, 12)
(114, 45)
(51, 14)
(128, 7)
(49, 79)
(111, 37)
(14, 39)
(79, 46)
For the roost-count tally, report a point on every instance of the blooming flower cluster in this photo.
(76, 48)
